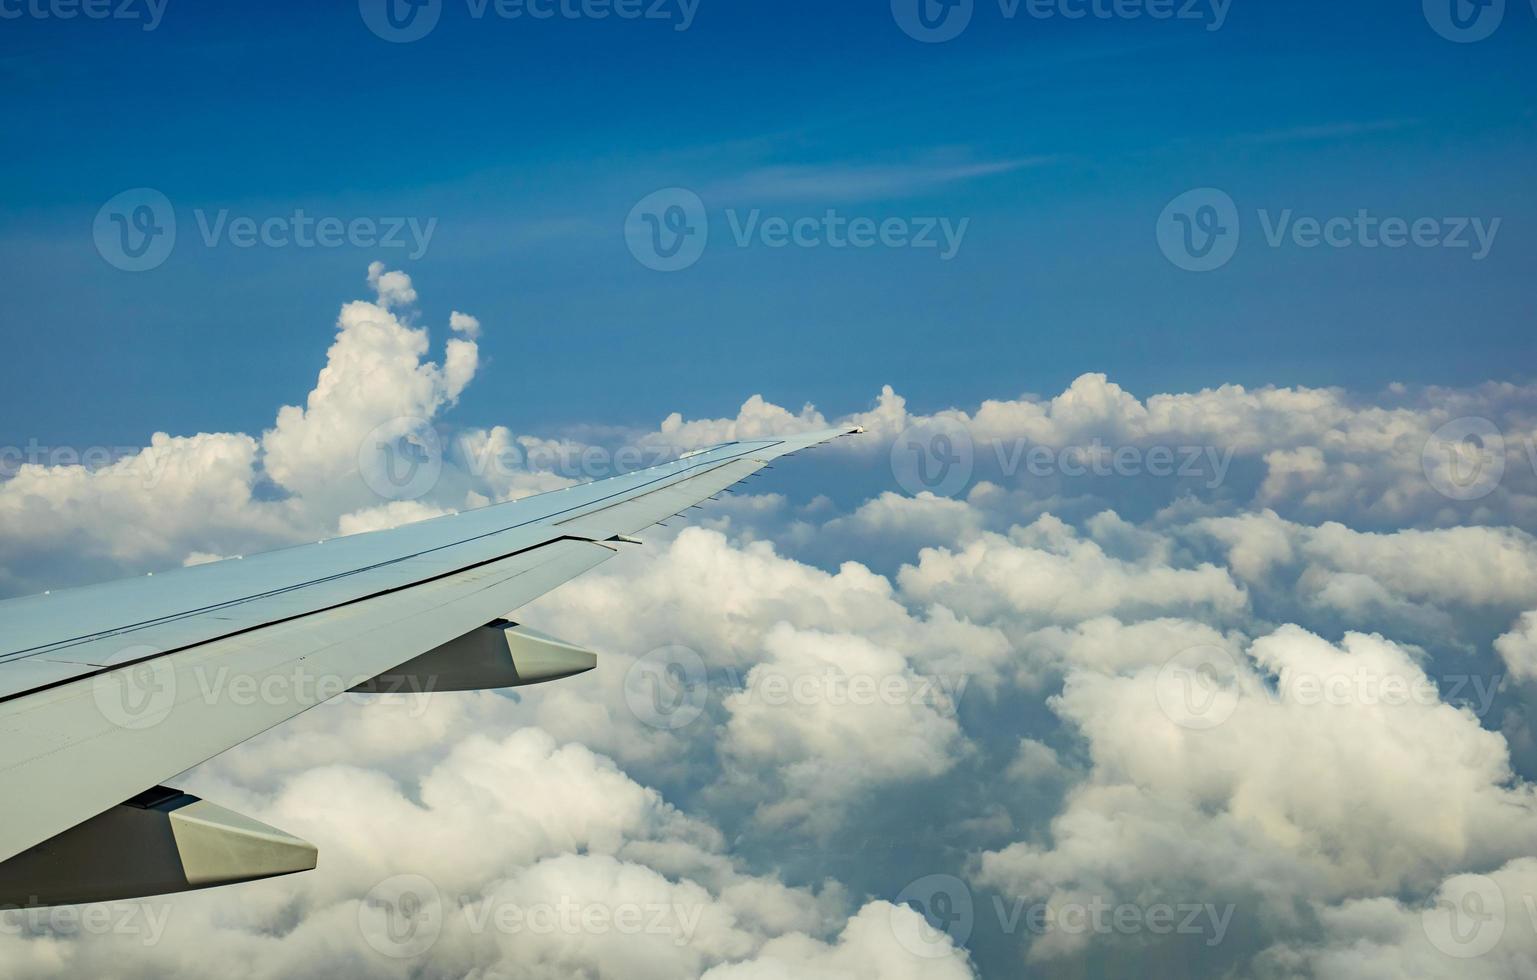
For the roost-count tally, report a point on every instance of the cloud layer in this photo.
(1257, 659)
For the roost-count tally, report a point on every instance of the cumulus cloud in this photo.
(1424, 457)
(376, 373)
(518, 857)
(1304, 770)
(757, 419)
(1049, 573)
(1472, 566)
(1025, 662)
(774, 654)
(1518, 648)
(212, 493)
(826, 717)
(864, 951)
(1475, 927)
(66, 524)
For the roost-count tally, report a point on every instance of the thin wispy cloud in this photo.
(1329, 131)
(861, 182)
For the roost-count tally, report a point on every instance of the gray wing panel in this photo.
(73, 751)
(638, 513)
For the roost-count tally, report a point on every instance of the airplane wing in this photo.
(107, 691)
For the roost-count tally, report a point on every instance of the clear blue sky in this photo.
(1060, 141)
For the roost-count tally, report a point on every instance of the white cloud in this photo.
(198, 495)
(866, 950)
(1056, 605)
(1476, 927)
(394, 288)
(1047, 573)
(376, 373)
(1339, 774)
(1351, 570)
(385, 516)
(532, 859)
(827, 717)
(758, 419)
(1518, 648)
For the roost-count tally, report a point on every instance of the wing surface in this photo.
(108, 690)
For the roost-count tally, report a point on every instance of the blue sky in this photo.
(1057, 142)
(1176, 204)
